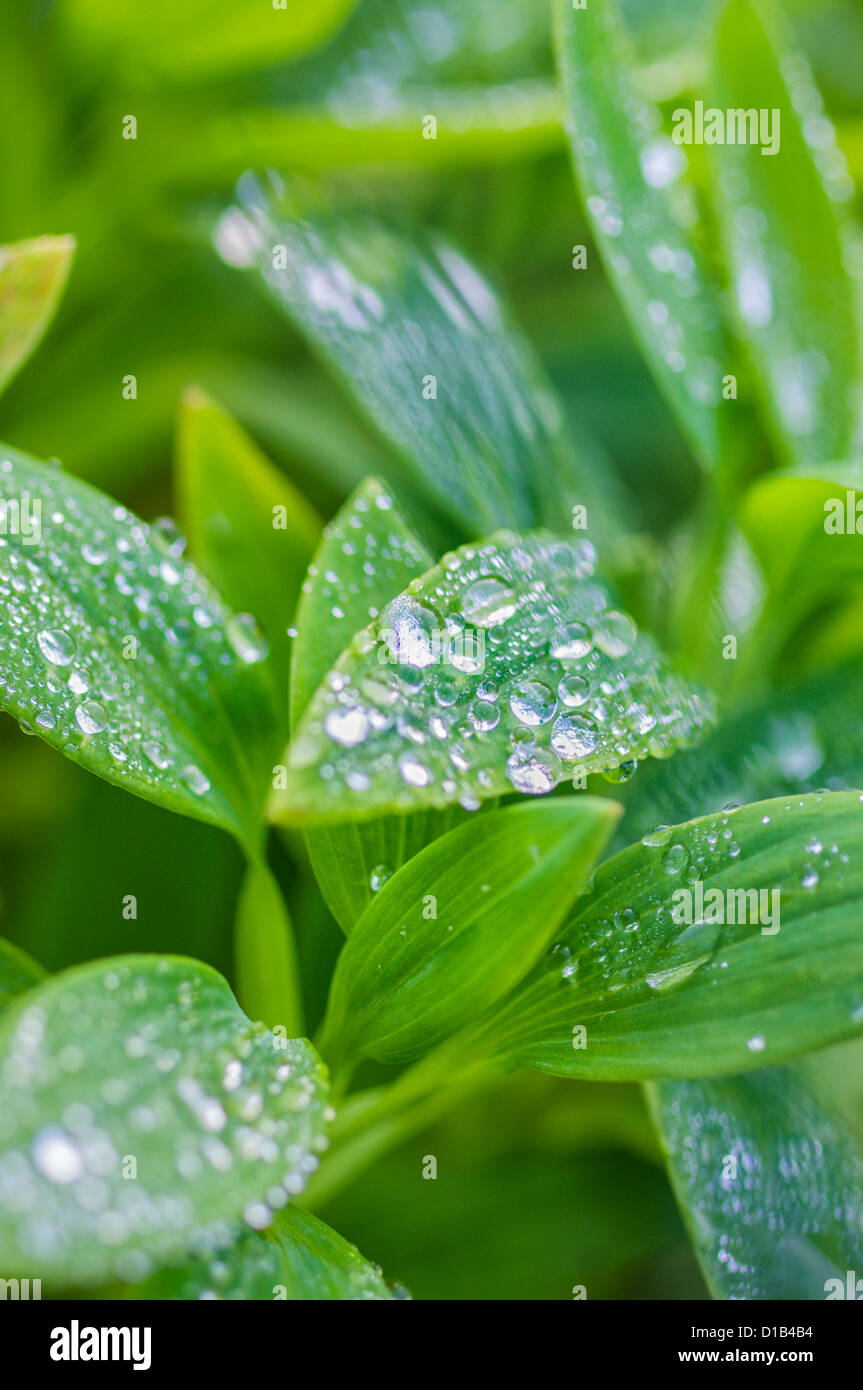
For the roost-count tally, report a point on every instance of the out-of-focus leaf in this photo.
(658, 996)
(506, 667)
(18, 972)
(417, 335)
(144, 1067)
(32, 278)
(118, 653)
(268, 982)
(201, 37)
(460, 924)
(778, 206)
(249, 529)
(642, 215)
(247, 1268)
(769, 1183)
(320, 1265)
(368, 555)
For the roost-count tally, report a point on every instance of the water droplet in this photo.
(246, 638)
(57, 647)
(675, 859)
(487, 602)
(570, 641)
(91, 717)
(532, 702)
(346, 726)
(614, 633)
(573, 738)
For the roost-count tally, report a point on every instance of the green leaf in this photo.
(249, 529)
(32, 278)
(642, 214)
(247, 1268)
(460, 924)
(659, 997)
(145, 1059)
(367, 556)
(418, 337)
(201, 38)
(507, 667)
(319, 1264)
(780, 222)
(267, 971)
(18, 972)
(769, 1182)
(118, 653)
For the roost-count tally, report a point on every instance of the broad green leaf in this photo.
(769, 1182)
(249, 529)
(17, 973)
(32, 278)
(642, 214)
(118, 653)
(144, 1067)
(367, 556)
(247, 1268)
(268, 981)
(659, 996)
(460, 924)
(200, 38)
(779, 210)
(419, 338)
(507, 667)
(320, 1265)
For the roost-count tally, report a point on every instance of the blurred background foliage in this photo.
(542, 1184)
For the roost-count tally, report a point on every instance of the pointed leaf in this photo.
(769, 1182)
(320, 1265)
(32, 278)
(267, 970)
(507, 667)
(780, 220)
(419, 338)
(151, 1060)
(18, 972)
(460, 924)
(630, 175)
(117, 652)
(367, 556)
(663, 993)
(249, 529)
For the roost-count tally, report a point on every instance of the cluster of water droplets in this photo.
(158, 1064)
(507, 668)
(107, 633)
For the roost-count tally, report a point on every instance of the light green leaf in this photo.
(151, 1060)
(368, 555)
(643, 216)
(18, 972)
(419, 338)
(200, 38)
(249, 529)
(660, 997)
(117, 652)
(247, 1268)
(460, 924)
(507, 667)
(319, 1264)
(32, 278)
(769, 1182)
(267, 971)
(780, 221)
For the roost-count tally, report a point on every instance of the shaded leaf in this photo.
(118, 653)
(460, 924)
(781, 231)
(630, 175)
(18, 972)
(660, 996)
(769, 1182)
(367, 556)
(507, 667)
(145, 1059)
(267, 972)
(32, 278)
(419, 338)
(249, 529)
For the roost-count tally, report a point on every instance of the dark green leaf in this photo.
(142, 1111)
(17, 973)
(507, 667)
(267, 973)
(460, 924)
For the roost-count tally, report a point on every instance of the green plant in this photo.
(417, 706)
